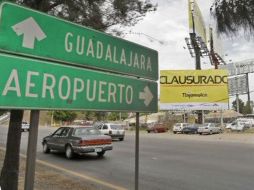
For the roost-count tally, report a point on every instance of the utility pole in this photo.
(197, 41)
(197, 60)
(248, 93)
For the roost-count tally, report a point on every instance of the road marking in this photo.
(86, 177)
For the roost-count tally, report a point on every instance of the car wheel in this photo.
(46, 148)
(200, 133)
(174, 132)
(69, 152)
(121, 139)
(100, 154)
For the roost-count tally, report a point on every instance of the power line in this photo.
(147, 36)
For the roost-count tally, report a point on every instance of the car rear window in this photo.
(116, 126)
(85, 131)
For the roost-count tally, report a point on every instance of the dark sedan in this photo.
(190, 129)
(77, 140)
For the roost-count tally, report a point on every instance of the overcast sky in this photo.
(166, 29)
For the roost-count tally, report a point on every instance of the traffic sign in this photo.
(32, 33)
(32, 84)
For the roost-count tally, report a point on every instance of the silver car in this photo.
(116, 131)
(77, 140)
(25, 126)
(209, 128)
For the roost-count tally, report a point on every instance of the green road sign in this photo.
(28, 32)
(32, 84)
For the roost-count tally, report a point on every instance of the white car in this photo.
(25, 126)
(238, 125)
(209, 128)
(116, 131)
(178, 127)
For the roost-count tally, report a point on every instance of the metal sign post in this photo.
(137, 153)
(31, 150)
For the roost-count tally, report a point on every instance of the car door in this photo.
(54, 139)
(63, 139)
(105, 129)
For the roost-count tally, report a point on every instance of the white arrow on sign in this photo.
(30, 30)
(146, 95)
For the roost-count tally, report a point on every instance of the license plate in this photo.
(98, 150)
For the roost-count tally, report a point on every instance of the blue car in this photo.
(190, 129)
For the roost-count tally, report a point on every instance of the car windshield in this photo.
(85, 131)
(116, 127)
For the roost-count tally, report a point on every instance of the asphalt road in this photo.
(166, 162)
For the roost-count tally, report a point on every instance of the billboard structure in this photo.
(197, 43)
(193, 90)
(238, 85)
(196, 21)
(238, 68)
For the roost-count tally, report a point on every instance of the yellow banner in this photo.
(193, 89)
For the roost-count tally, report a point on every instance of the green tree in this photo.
(89, 115)
(247, 108)
(114, 116)
(241, 105)
(97, 14)
(233, 15)
(65, 116)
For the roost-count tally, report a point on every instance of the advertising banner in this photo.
(193, 90)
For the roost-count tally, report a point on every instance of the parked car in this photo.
(25, 126)
(238, 125)
(157, 128)
(116, 131)
(77, 140)
(190, 129)
(178, 127)
(210, 128)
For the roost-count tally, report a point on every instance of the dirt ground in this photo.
(47, 178)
